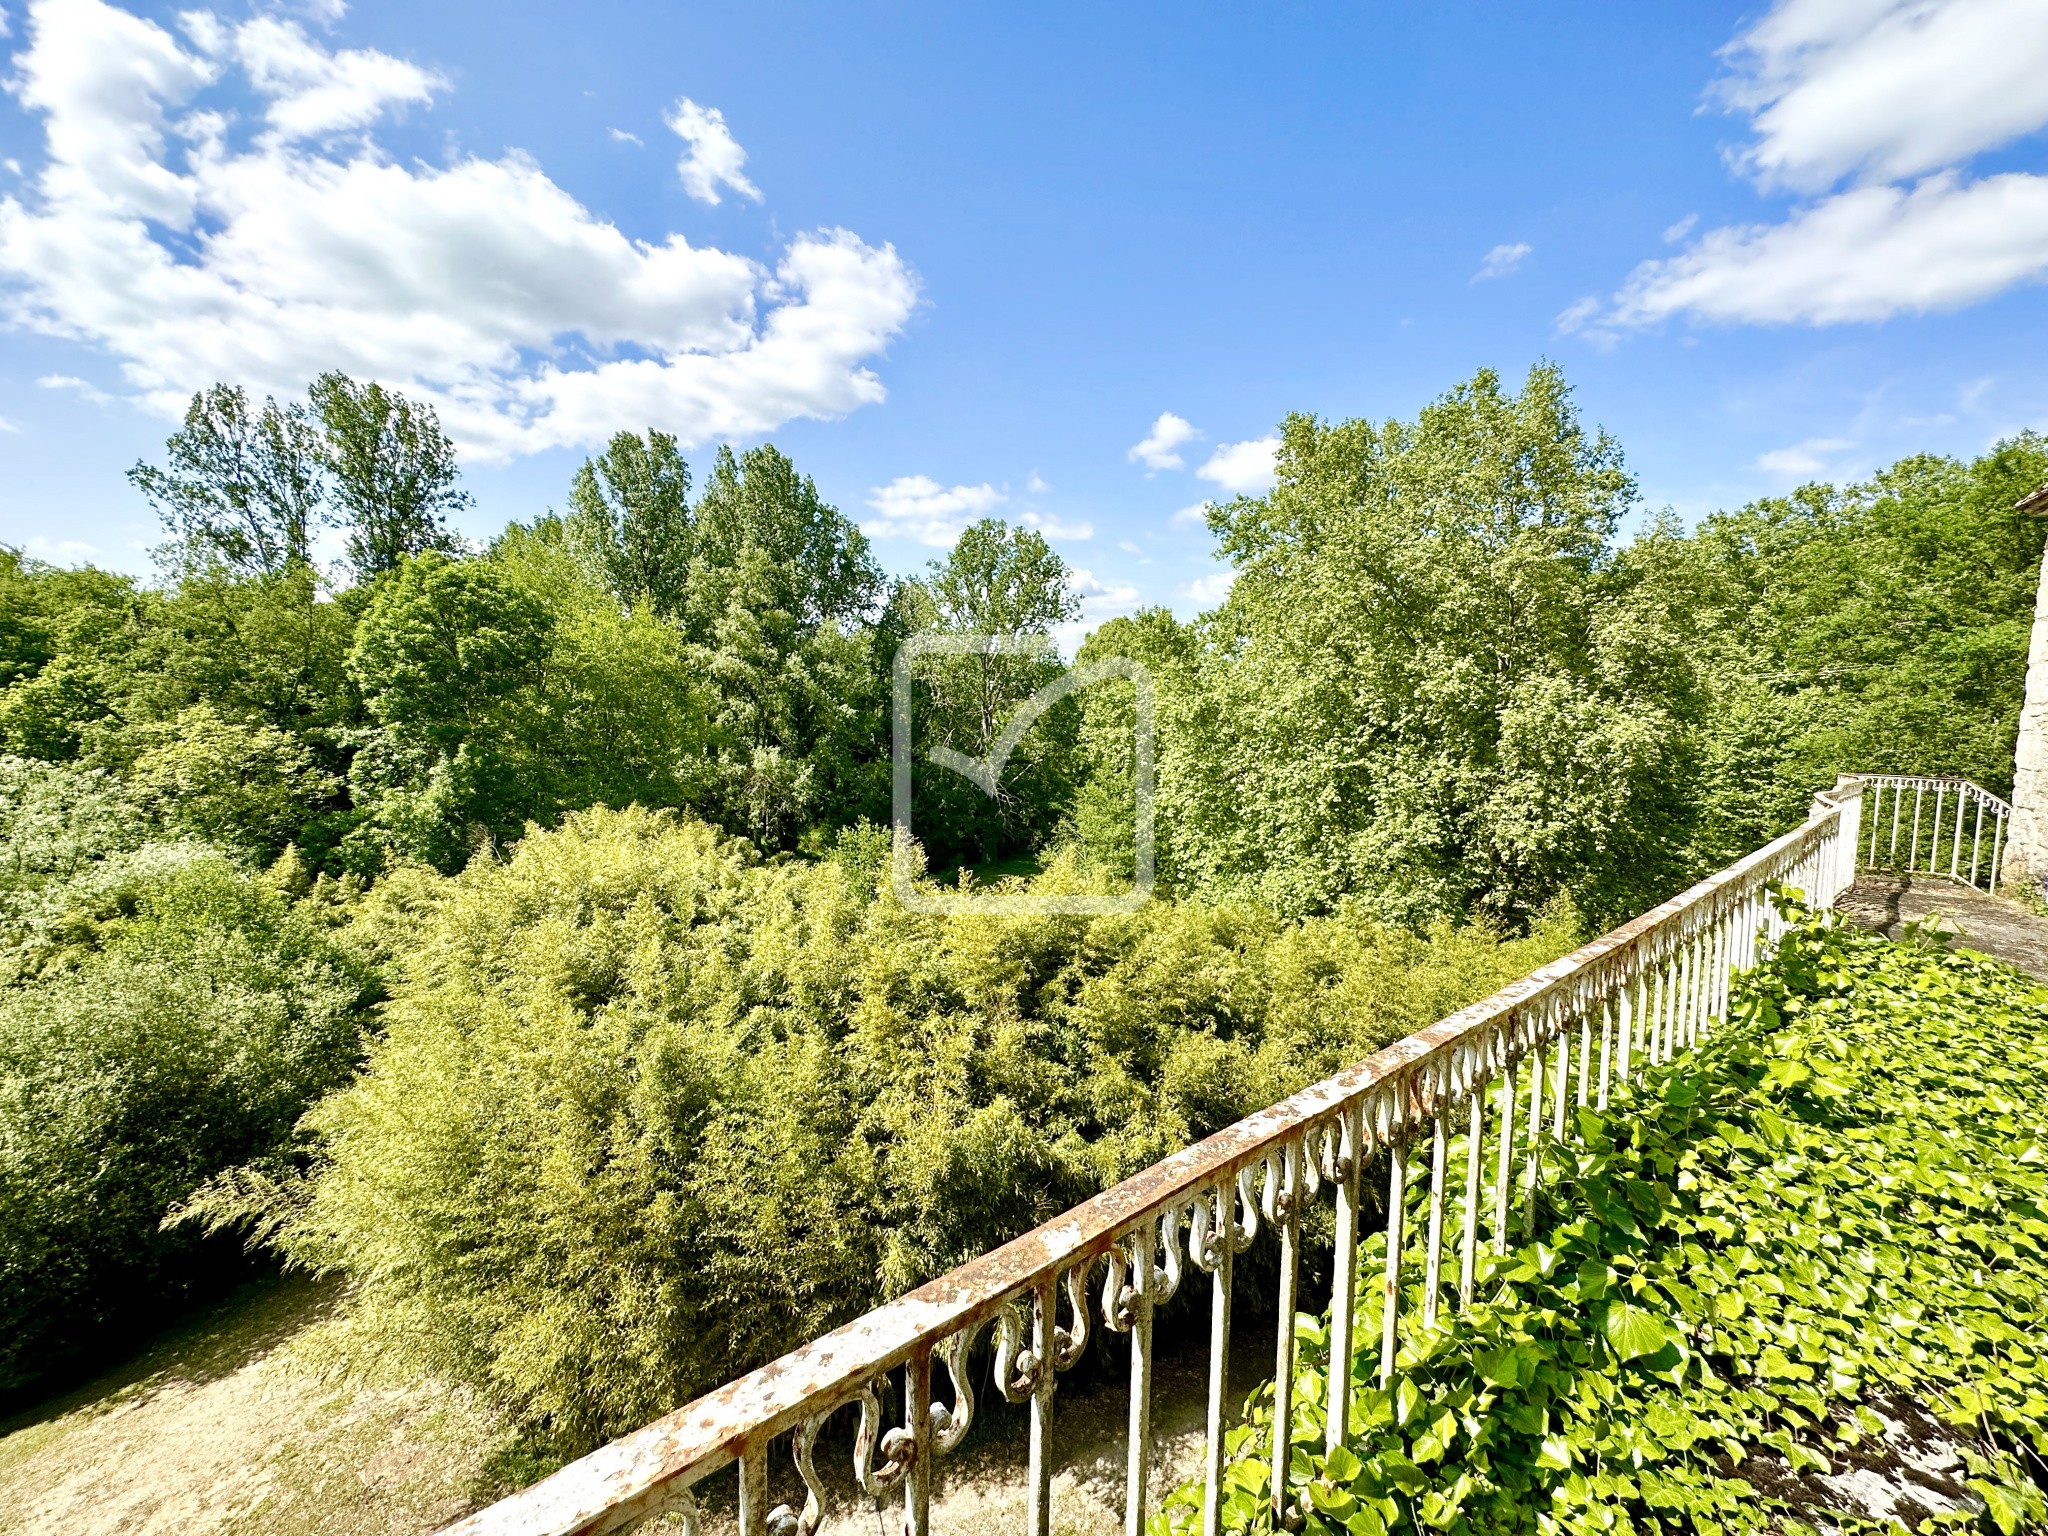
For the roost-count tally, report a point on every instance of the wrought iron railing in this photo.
(1948, 828)
(1446, 1099)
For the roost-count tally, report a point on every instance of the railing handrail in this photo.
(1947, 791)
(631, 1476)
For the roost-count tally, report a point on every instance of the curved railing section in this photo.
(1948, 828)
(1466, 1104)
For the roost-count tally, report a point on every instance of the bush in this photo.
(183, 1033)
(648, 1110)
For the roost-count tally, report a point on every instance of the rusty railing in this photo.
(1445, 1100)
(1948, 828)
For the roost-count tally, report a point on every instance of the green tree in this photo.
(392, 472)
(630, 520)
(1430, 688)
(1002, 581)
(242, 486)
(450, 659)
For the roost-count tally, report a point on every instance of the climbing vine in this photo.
(1829, 1219)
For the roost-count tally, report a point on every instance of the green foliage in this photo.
(631, 522)
(391, 472)
(1881, 626)
(243, 488)
(1434, 685)
(1005, 581)
(648, 1111)
(187, 1031)
(1838, 1204)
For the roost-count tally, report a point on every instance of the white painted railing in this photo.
(1948, 828)
(1471, 1099)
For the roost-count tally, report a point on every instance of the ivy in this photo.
(1835, 1209)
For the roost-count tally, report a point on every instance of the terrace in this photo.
(1455, 1124)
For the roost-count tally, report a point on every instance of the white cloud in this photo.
(313, 92)
(9, 426)
(1243, 469)
(85, 389)
(60, 551)
(918, 507)
(1053, 528)
(1156, 452)
(1501, 260)
(1036, 486)
(1875, 107)
(1128, 547)
(480, 285)
(1208, 590)
(1194, 516)
(1801, 460)
(1681, 229)
(1886, 89)
(620, 136)
(1100, 602)
(1864, 254)
(714, 158)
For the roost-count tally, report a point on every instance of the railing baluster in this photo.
(1976, 840)
(917, 1485)
(1610, 1006)
(1564, 1087)
(1630, 999)
(754, 1489)
(1913, 857)
(1504, 1172)
(1475, 1152)
(1397, 1209)
(1138, 1447)
(1533, 1138)
(1219, 1265)
(1433, 1259)
(1344, 1276)
(1586, 1048)
(1997, 843)
(1044, 1314)
(1285, 1214)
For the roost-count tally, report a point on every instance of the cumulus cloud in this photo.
(1208, 590)
(1801, 460)
(1156, 452)
(480, 285)
(918, 507)
(714, 157)
(1501, 260)
(1872, 109)
(1054, 527)
(1243, 469)
(621, 136)
(1885, 89)
(1101, 601)
(1866, 254)
(313, 92)
(1193, 516)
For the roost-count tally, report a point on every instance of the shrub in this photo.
(648, 1110)
(185, 1033)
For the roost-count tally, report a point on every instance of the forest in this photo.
(507, 929)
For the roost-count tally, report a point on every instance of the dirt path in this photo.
(1994, 925)
(236, 1423)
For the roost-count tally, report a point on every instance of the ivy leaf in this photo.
(1633, 1331)
(1555, 1454)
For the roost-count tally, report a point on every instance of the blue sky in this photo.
(962, 258)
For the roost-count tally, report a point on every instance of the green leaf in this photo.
(1555, 1454)
(1633, 1331)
